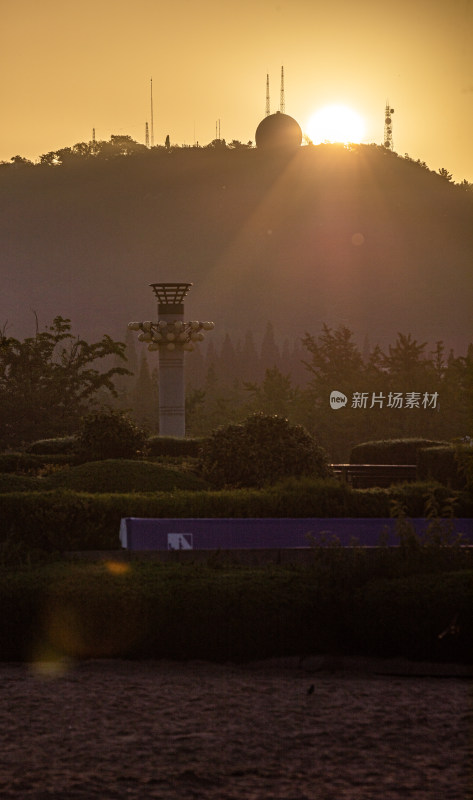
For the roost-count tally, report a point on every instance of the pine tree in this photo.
(270, 355)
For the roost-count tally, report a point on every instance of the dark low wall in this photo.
(240, 534)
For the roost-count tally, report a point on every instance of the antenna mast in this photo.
(282, 105)
(268, 107)
(152, 118)
(388, 126)
(146, 135)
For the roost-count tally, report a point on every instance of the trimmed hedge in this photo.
(411, 617)
(60, 520)
(10, 482)
(442, 464)
(390, 451)
(219, 613)
(123, 475)
(61, 445)
(160, 446)
(30, 462)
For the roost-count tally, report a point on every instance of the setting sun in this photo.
(335, 124)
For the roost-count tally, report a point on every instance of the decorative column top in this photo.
(168, 333)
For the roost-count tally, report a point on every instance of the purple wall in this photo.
(239, 534)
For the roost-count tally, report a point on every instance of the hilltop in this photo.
(355, 236)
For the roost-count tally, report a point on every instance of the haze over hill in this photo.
(359, 237)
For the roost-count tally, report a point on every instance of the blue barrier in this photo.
(242, 534)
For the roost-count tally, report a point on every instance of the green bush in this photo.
(219, 613)
(407, 617)
(123, 475)
(9, 482)
(109, 434)
(444, 464)
(61, 445)
(390, 451)
(63, 520)
(172, 446)
(465, 465)
(260, 451)
(29, 462)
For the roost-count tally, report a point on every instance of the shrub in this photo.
(109, 434)
(59, 446)
(260, 451)
(29, 462)
(465, 464)
(407, 617)
(172, 446)
(442, 464)
(123, 475)
(390, 451)
(9, 482)
(62, 520)
(197, 611)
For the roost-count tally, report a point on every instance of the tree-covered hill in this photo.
(354, 236)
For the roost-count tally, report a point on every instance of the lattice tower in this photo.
(388, 126)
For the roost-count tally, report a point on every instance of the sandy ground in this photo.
(117, 729)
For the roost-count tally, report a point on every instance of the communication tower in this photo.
(388, 126)
(268, 106)
(282, 104)
(146, 135)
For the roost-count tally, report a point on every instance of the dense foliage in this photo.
(39, 521)
(49, 380)
(448, 464)
(173, 446)
(260, 451)
(59, 445)
(118, 475)
(109, 433)
(404, 391)
(391, 451)
(340, 602)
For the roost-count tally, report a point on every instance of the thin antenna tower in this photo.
(268, 107)
(146, 135)
(93, 140)
(388, 126)
(152, 117)
(282, 105)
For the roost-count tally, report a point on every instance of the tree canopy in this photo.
(50, 380)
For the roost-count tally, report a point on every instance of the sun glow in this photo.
(335, 124)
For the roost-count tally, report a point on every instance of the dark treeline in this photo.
(407, 389)
(50, 381)
(357, 236)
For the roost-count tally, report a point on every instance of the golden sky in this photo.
(69, 67)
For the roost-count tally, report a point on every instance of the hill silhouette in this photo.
(355, 236)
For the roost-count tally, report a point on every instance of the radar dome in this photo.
(278, 131)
